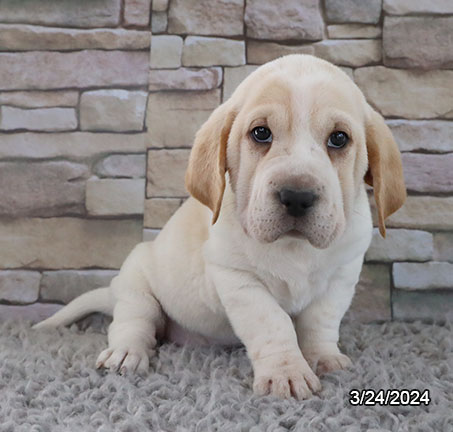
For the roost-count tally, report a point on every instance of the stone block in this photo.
(77, 145)
(425, 135)
(150, 234)
(166, 171)
(428, 172)
(40, 99)
(38, 119)
(401, 245)
(136, 12)
(353, 31)
(262, 52)
(354, 53)
(133, 165)
(408, 94)
(418, 42)
(348, 71)
(283, 20)
(206, 17)
(428, 306)
(406, 7)
(25, 37)
(166, 51)
(173, 118)
(65, 285)
(19, 286)
(443, 247)
(371, 301)
(353, 11)
(159, 22)
(210, 51)
(64, 13)
(233, 77)
(48, 188)
(34, 313)
(160, 5)
(159, 210)
(67, 243)
(420, 276)
(113, 110)
(38, 70)
(185, 79)
(115, 197)
(424, 212)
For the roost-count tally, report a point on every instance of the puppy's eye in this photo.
(262, 135)
(338, 139)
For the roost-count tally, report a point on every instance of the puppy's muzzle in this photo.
(297, 202)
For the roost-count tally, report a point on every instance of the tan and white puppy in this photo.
(269, 248)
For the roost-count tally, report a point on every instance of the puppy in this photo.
(268, 249)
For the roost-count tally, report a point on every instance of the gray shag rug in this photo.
(48, 383)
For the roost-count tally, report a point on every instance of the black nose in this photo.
(296, 201)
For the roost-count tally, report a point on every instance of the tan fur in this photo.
(385, 172)
(205, 176)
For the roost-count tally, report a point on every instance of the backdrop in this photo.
(90, 102)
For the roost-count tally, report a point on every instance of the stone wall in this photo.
(73, 97)
(83, 97)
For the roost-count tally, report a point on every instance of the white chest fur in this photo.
(293, 271)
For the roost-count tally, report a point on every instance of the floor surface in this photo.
(48, 383)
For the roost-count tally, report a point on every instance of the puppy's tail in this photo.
(98, 300)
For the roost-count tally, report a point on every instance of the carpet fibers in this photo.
(48, 383)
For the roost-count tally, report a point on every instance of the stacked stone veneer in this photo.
(82, 98)
(73, 95)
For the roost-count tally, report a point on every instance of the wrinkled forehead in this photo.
(268, 90)
(263, 96)
(303, 99)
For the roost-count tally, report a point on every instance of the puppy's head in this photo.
(297, 139)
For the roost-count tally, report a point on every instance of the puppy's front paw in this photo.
(124, 360)
(285, 375)
(328, 362)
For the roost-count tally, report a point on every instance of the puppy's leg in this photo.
(137, 317)
(318, 325)
(268, 334)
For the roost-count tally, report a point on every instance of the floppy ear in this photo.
(205, 176)
(385, 170)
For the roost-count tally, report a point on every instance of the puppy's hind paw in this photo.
(124, 360)
(325, 363)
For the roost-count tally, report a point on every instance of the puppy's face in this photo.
(297, 156)
(294, 138)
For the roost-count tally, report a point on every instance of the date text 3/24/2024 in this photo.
(389, 397)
